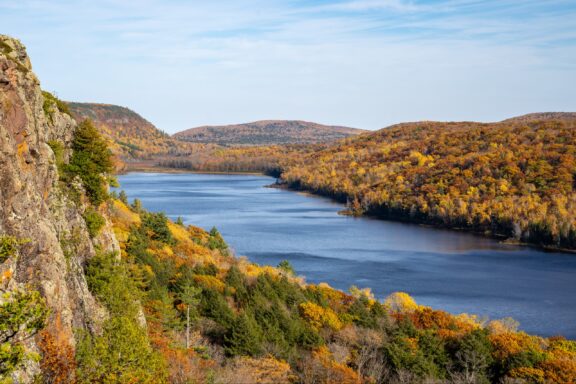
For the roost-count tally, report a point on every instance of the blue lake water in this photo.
(449, 270)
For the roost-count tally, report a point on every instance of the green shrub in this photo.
(94, 221)
(214, 306)
(215, 241)
(22, 314)
(52, 104)
(285, 266)
(109, 280)
(121, 354)
(157, 226)
(473, 354)
(401, 355)
(206, 269)
(137, 206)
(58, 149)
(9, 246)
(123, 197)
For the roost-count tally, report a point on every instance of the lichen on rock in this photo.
(36, 206)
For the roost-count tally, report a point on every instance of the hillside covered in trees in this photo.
(267, 132)
(515, 179)
(213, 317)
(130, 135)
(267, 159)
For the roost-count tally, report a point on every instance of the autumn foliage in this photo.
(58, 362)
(259, 324)
(513, 179)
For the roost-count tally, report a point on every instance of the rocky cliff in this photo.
(34, 204)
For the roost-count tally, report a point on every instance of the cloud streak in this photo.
(365, 63)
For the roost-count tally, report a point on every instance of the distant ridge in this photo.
(267, 132)
(540, 116)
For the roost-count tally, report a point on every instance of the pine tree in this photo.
(244, 337)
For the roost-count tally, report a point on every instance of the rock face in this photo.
(34, 206)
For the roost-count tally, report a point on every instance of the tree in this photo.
(94, 221)
(285, 266)
(91, 160)
(157, 225)
(123, 197)
(400, 302)
(122, 354)
(190, 296)
(216, 241)
(243, 337)
(137, 206)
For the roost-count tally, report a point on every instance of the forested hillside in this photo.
(268, 159)
(267, 132)
(131, 136)
(514, 179)
(543, 116)
(213, 317)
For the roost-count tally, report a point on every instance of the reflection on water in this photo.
(455, 271)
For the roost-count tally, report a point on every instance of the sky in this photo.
(360, 63)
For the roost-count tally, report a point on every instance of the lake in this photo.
(449, 270)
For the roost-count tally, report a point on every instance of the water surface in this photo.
(449, 270)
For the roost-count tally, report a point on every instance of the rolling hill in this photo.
(131, 136)
(514, 179)
(543, 116)
(267, 132)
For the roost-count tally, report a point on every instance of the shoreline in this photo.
(182, 171)
(343, 289)
(501, 239)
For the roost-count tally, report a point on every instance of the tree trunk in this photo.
(188, 327)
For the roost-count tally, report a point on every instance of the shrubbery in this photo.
(9, 246)
(94, 221)
(22, 313)
(51, 104)
(249, 312)
(122, 353)
(156, 225)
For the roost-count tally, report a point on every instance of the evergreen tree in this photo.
(91, 161)
(123, 197)
(243, 337)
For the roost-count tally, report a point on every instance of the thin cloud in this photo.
(368, 5)
(363, 63)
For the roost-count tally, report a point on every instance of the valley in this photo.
(103, 286)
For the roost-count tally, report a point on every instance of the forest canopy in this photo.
(513, 179)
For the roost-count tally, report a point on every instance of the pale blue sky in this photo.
(361, 63)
